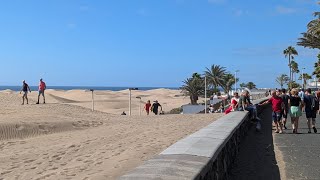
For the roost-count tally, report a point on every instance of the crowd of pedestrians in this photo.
(284, 104)
(293, 104)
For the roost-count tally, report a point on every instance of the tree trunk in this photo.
(290, 67)
(194, 100)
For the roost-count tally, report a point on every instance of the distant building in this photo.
(313, 84)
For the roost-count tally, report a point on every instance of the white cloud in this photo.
(256, 51)
(180, 1)
(240, 12)
(142, 12)
(84, 8)
(217, 1)
(285, 10)
(307, 1)
(71, 25)
(276, 50)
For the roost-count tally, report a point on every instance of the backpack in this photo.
(315, 103)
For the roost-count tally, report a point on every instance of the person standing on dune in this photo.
(155, 107)
(25, 89)
(147, 107)
(42, 88)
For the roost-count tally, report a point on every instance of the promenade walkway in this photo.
(257, 159)
(300, 152)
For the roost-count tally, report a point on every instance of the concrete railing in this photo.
(206, 154)
(258, 96)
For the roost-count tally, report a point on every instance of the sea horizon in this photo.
(115, 88)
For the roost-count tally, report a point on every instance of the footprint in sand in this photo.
(19, 127)
(98, 163)
(123, 160)
(5, 172)
(29, 161)
(72, 146)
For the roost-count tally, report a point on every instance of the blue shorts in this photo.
(41, 92)
(311, 114)
(276, 116)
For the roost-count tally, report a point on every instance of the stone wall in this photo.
(207, 154)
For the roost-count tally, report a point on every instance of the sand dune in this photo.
(59, 140)
(114, 102)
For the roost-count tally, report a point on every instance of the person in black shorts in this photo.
(285, 110)
(155, 106)
(311, 108)
(25, 88)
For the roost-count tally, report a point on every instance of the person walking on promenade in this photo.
(42, 88)
(155, 107)
(295, 104)
(311, 107)
(285, 110)
(147, 107)
(25, 88)
(301, 95)
(277, 106)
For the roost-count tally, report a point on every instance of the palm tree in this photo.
(295, 69)
(293, 84)
(282, 79)
(289, 52)
(228, 81)
(215, 76)
(311, 38)
(193, 87)
(306, 77)
(317, 68)
(314, 25)
(250, 85)
(243, 85)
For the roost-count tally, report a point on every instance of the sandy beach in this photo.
(64, 139)
(114, 102)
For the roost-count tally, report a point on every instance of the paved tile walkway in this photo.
(256, 159)
(301, 152)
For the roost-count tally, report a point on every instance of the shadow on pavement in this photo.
(256, 159)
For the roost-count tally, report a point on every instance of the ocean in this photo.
(35, 88)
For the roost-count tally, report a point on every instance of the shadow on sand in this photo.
(256, 159)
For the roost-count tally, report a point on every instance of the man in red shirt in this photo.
(42, 87)
(277, 106)
(147, 107)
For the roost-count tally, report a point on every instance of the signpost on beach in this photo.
(138, 97)
(92, 100)
(130, 89)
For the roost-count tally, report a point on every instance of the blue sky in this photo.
(147, 42)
